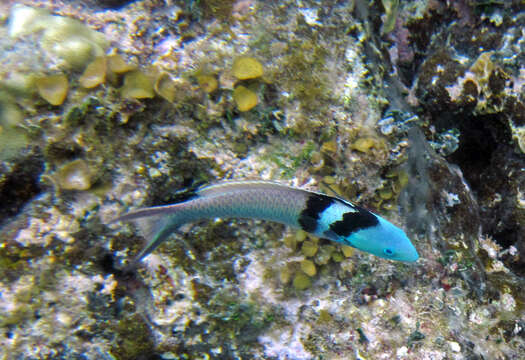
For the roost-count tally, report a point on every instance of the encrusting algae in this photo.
(166, 114)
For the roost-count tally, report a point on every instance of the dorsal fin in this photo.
(222, 187)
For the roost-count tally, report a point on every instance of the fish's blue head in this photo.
(385, 240)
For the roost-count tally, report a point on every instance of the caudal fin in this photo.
(155, 224)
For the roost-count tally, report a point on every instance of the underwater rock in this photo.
(68, 39)
(441, 208)
(474, 106)
(24, 20)
(113, 4)
(232, 289)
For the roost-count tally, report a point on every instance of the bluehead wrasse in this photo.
(321, 215)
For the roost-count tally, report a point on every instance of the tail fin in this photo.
(155, 224)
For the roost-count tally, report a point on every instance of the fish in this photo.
(322, 215)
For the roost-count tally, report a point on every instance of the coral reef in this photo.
(414, 109)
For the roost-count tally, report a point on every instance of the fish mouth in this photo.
(411, 256)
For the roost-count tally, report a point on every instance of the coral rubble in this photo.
(414, 109)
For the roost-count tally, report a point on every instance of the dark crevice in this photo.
(19, 183)
(488, 161)
(481, 137)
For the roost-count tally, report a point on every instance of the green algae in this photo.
(236, 319)
(134, 338)
(13, 140)
(290, 162)
(391, 10)
(30, 288)
(209, 9)
(85, 134)
(208, 83)
(14, 137)
(95, 73)
(309, 248)
(337, 257)
(245, 98)
(21, 314)
(324, 254)
(324, 317)
(13, 263)
(308, 267)
(247, 68)
(53, 88)
(137, 85)
(301, 281)
(308, 58)
(415, 337)
(231, 321)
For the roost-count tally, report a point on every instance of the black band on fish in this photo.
(353, 221)
(315, 205)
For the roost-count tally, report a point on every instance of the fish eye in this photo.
(388, 252)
